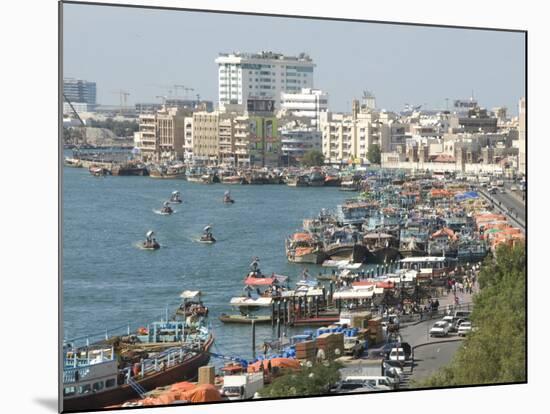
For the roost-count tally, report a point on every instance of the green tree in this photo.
(313, 158)
(314, 380)
(373, 154)
(496, 351)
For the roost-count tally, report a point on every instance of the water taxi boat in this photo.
(192, 304)
(207, 236)
(175, 198)
(166, 209)
(256, 278)
(227, 198)
(150, 242)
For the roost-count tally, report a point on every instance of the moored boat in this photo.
(304, 248)
(129, 169)
(233, 179)
(98, 171)
(297, 181)
(116, 370)
(73, 162)
(170, 172)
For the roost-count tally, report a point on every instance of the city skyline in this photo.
(146, 51)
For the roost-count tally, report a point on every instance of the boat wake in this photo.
(160, 213)
(139, 245)
(197, 239)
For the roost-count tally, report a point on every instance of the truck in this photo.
(363, 367)
(242, 387)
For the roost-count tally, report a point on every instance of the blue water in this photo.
(109, 281)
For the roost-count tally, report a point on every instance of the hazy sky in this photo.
(142, 51)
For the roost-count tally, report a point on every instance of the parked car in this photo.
(385, 351)
(440, 328)
(464, 328)
(449, 319)
(397, 356)
(493, 190)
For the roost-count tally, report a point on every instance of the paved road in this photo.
(429, 359)
(509, 205)
(512, 203)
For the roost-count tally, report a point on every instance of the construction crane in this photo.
(123, 99)
(176, 87)
(84, 141)
(163, 99)
(185, 90)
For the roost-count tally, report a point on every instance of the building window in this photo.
(84, 389)
(98, 386)
(110, 383)
(68, 391)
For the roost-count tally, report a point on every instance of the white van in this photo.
(380, 383)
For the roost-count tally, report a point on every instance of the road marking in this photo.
(438, 349)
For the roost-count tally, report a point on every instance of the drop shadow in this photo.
(50, 403)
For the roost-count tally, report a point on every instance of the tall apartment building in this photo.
(146, 137)
(205, 135)
(226, 146)
(261, 75)
(308, 103)
(241, 142)
(80, 91)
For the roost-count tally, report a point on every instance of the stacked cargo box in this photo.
(329, 343)
(306, 350)
(375, 330)
(359, 319)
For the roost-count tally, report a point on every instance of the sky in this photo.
(145, 51)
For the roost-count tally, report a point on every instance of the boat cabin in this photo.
(429, 266)
(89, 370)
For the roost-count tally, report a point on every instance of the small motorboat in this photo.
(150, 242)
(98, 171)
(227, 198)
(175, 198)
(166, 210)
(207, 236)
